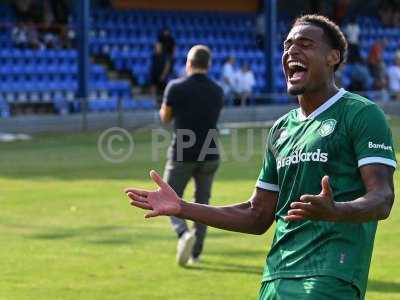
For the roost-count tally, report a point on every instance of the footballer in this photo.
(326, 179)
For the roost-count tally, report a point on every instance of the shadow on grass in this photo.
(108, 235)
(225, 268)
(220, 233)
(57, 232)
(53, 235)
(383, 286)
(238, 253)
(119, 240)
(114, 241)
(104, 235)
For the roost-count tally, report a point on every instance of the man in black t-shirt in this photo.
(168, 47)
(167, 41)
(194, 102)
(159, 70)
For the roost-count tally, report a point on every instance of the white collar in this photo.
(323, 107)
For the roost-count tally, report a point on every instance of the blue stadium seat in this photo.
(146, 104)
(127, 38)
(129, 104)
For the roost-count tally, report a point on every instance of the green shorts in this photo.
(308, 288)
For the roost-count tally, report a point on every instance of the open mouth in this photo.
(296, 71)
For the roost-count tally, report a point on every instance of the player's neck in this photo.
(310, 101)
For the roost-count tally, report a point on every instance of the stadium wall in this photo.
(150, 119)
(204, 5)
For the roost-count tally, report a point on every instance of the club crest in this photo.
(282, 135)
(327, 127)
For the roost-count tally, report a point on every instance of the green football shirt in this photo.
(345, 133)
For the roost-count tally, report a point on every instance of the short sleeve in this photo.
(372, 138)
(268, 178)
(170, 94)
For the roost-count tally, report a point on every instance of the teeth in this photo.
(292, 64)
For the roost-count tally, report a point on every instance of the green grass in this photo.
(67, 231)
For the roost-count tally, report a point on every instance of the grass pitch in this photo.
(67, 231)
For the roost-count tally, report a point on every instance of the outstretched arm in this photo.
(374, 205)
(254, 216)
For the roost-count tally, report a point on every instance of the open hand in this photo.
(162, 202)
(315, 207)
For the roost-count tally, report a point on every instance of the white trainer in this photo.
(184, 248)
(194, 261)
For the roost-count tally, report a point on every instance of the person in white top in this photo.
(352, 31)
(393, 73)
(228, 79)
(244, 83)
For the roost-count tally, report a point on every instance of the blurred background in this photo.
(60, 57)
(66, 229)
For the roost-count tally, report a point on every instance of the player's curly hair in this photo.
(334, 35)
